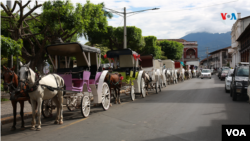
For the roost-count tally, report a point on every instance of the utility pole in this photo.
(124, 14)
(207, 56)
(10, 58)
(125, 30)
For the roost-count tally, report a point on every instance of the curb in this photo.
(10, 119)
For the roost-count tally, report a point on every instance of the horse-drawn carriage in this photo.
(84, 82)
(153, 72)
(132, 81)
(180, 71)
(170, 72)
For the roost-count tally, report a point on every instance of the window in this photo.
(244, 71)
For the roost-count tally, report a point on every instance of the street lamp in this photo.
(124, 14)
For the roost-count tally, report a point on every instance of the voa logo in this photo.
(236, 132)
(228, 16)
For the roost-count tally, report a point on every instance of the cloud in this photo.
(175, 18)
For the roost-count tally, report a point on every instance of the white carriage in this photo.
(170, 72)
(133, 82)
(152, 68)
(84, 80)
(180, 71)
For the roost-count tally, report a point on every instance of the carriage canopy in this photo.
(147, 61)
(85, 55)
(70, 49)
(117, 53)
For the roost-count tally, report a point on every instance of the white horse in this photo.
(168, 76)
(39, 91)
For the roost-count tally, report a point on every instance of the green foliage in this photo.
(10, 47)
(151, 47)
(103, 51)
(62, 15)
(114, 36)
(1, 85)
(4, 25)
(4, 99)
(172, 49)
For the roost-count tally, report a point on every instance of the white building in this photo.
(238, 27)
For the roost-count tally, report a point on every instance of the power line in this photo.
(195, 7)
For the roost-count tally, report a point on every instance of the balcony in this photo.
(230, 51)
(190, 56)
(234, 45)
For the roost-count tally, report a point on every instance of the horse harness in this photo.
(10, 85)
(36, 84)
(114, 84)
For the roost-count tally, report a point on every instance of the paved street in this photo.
(189, 111)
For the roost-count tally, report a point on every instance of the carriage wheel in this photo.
(85, 106)
(143, 88)
(132, 93)
(105, 96)
(47, 108)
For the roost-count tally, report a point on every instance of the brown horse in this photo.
(114, 81)
(11, 82)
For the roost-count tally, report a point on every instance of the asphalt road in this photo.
(189, 111)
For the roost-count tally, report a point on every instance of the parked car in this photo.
(224, 74)
(212, 71)
(205, 73)
(239, 82)
(222, 69)
(228, 80)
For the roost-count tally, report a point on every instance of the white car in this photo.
(228, 80)
(205, 73)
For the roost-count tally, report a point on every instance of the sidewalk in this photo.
(7, 110)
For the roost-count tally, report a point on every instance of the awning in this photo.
(195, 63)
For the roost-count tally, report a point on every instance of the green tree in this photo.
(59, 19)
(172, 49)
(151, 47)
(103, 50)
(10, 47)
(113, 38)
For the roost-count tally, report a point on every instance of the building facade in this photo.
(220, 58)
(239, 26)
(244, 43)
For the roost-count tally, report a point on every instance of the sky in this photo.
(174, 19)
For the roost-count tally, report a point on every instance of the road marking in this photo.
(72, 123)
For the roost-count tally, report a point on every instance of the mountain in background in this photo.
(213, 41)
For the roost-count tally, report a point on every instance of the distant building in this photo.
(205, 64)
(220, 58)
(190, 51)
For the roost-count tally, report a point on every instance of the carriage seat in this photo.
(127, 70)
(74, 75)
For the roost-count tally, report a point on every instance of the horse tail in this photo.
(64, 86)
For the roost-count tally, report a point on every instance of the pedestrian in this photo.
(164, 66)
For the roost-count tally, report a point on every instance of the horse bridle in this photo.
(12, 79)
(26, 75)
